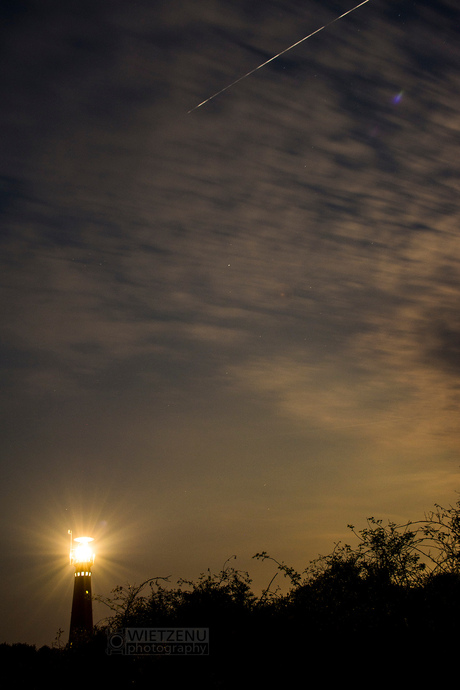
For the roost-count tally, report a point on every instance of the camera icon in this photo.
(116, 643)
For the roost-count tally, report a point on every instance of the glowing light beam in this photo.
(286, 50)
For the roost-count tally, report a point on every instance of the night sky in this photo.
(230, 330)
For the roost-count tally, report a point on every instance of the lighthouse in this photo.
(82, 558)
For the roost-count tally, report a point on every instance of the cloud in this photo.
(313, 230)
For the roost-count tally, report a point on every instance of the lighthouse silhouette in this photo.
(81, 619)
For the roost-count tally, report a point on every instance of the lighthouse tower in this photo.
(82, 557)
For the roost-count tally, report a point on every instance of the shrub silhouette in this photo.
(392, 595)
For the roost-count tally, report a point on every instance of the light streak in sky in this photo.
(305, 38)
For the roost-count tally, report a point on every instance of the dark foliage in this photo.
(384, 609)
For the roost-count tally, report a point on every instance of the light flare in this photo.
(83, 552)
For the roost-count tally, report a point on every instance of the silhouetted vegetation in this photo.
(388, 604)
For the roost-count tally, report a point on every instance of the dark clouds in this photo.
(243, 320)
